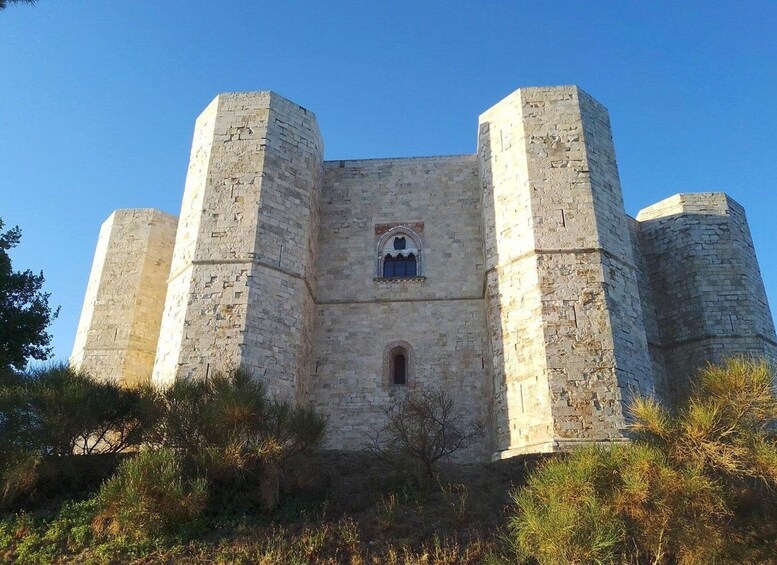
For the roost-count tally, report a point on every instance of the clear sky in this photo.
(98, 98)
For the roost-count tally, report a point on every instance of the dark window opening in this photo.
(400, 243)
(398, 267)
(410, 265)
(388, 266)
(400, 369)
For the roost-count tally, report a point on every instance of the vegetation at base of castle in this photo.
(698, 484)
(151, 495)
(424, 426)
(230, 431)
(24, 311)
(51, 416)
(695, 486)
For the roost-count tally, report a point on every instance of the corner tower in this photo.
(710, 299)
(567, 339)
(241, 286)
(119, 325)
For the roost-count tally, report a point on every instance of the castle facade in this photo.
(512, 277)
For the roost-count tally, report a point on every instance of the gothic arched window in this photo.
(399, 266)
(399, 254)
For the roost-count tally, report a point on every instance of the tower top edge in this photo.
(534, 91)
(701, 203)
(264, 97)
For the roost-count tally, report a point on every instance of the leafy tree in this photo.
(5, 3)
(24, 310)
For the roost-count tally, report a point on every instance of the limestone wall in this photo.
(241, 283)
(647, 302)
(120, 320)
(569, 347)
(441, 317)
(709, 295)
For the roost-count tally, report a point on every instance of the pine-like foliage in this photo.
(233, 432)
(695, 486)
(50, 416)
(151, 495)
(4, 3)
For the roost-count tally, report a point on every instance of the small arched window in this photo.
(399, 254)
(398, 360)
(400, 369)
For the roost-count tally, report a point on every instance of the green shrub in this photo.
(695, 486)
(234, 434)
(62, 411)
(50, 415)
(150, 495)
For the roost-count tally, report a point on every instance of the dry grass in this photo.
(335, 508)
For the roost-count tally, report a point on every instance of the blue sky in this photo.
(98, 98)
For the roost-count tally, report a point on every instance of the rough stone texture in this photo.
(358, 318)
(538, 303)
(119, 326)
(701, 265)
(568, 340)
(242, 279)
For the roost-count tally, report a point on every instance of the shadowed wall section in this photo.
(709, 296)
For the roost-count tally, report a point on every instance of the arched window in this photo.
(398, 360)
(400, 369)
(399, 254)
(399, 266)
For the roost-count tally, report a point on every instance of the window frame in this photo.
(390, 354)
(414, 246)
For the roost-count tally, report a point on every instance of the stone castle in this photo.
(513, 277)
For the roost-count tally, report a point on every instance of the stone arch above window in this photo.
(399, 254)
(398, 364)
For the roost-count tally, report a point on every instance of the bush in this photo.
(50, 415)
(233, 433)
(695, 486)
(424, 426)
(150, 495)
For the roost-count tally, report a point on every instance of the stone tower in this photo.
(240, 292)
(568, 345)
(710, 301)
(119, 326)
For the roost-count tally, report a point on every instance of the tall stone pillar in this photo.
(710, 298)
(567, 339)
(119, 326)
(243, 274)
